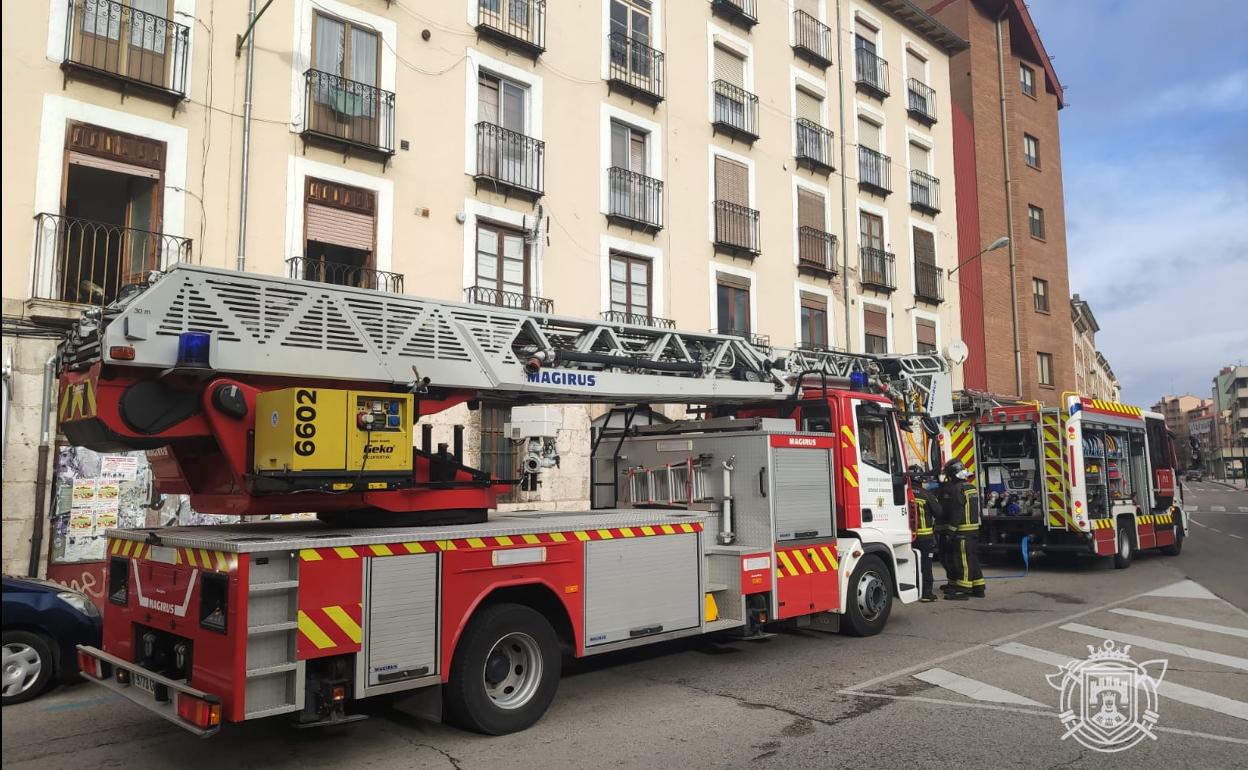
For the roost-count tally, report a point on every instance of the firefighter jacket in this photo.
(929, 512)
(959, 502)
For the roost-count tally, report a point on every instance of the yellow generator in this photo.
(337, 440)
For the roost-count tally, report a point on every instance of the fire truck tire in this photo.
(870, 598)
(28, 666)
(1126, 549)
(505, 671)
(1175, 548)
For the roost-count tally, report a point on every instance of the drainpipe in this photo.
(242, 203)
(1009, 209)
(840, 89)
(8, 392)
(41, 474)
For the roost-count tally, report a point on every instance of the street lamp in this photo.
(999, 243)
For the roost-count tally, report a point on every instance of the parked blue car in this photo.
(43, 624)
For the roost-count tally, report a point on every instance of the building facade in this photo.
(1229, 455)
(1014, 301)
(1093, 375)
(782, 170)
(1176, 410)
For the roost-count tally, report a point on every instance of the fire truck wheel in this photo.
(505, 671)
(28, 665)
(870, 598)
(1126, 549)
(1175, 548)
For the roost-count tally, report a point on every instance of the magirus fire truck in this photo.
(254, 395)
(1091, 476)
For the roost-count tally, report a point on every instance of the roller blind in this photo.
(808, 106)
(918, 158)
(868, 135)
(732, 181)
(729, 67)
(341, 228)
(809, 209)
(924, 246)
(875, 322)
(925, 331)
(915, 67)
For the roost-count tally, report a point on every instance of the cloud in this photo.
(1227, 93)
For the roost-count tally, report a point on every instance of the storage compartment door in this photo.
(402, 618)
(641, 586)
(802, 493)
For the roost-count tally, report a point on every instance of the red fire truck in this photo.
(1091, 476)
(785, 502)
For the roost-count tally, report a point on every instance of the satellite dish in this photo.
(957, 352)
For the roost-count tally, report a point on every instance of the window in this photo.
(876, 438)
(730, 107)
(498, 452)
(1028, 77)
(814, 321)
(502, 263)
(345, 50)
(628, 147)
(501, 102)
(875, 330)
(630, 37)
(925, 335)
(1040, 294)
(1044, 368)
(812, 246)
(1035, 221)
(733, 306)
(630, 284)
(1031, 150)
(339, 224)
(920, 157)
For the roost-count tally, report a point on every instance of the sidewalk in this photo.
(1234, 484)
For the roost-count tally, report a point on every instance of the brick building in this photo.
(1021, 342)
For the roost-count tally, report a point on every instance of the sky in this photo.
(1155, 167)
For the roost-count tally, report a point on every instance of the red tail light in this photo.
(198, 712)
(90, 665)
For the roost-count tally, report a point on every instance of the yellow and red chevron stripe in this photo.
(499, 541)
(1155, 518)
(806, 560)
(336, 627)
(1113, 406)
(1054, 475)
(1102, 523)
(201, 558)
(962, 443)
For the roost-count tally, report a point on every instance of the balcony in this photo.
(929, 283)
(88, 262)
(811, 40)
(120, 46)
(636, 319)
(736, 112)
(814, 146)
(736, 230)
(510, 161)
(743, 13)
(634, 200)
(342, 274)
(512, 300)
(875, 172)
(924, 192)
(877, 269)
(346, 114)
(816, 252)
(870, 73)
(516, 24)
(757, 340)
(634, 68)
(920, 102)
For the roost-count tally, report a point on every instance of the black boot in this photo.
(978, 592)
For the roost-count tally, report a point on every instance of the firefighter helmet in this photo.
(954, 469)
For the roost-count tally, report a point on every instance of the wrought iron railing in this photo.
(921, 101)
(758, 340)
(512, 300)
(342, 274)
(929, 282)
(635, 65)
(88, 262)
(348, 111)
(814, 145)
(521, 23)
(736, 227)
(816, 249)
(877, 268)
(637, 319)
(743, 12)
(811, 38)
(870, 72)
(634, 197)
(510, 158)
(736, 109)
(141, 48)
(875, 171)
(924, 192)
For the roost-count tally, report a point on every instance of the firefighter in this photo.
(959, 501)
(928, 511)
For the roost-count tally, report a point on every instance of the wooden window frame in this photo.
(502, 230)
(1035, 221)
(926, 323)
(733, 283)
(1044, 369)
(1031, 159)
(815, 304)
(1040, 295)
(1027, 80)
(347, 26)
(868, 337)
(629, 260)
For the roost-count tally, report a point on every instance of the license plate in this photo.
(143, 682)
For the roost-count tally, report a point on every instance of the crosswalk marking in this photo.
(1188, 622)
(1184, 589)
(973, 688)
(1177, 692)
(1218, 508)
(1195, 653)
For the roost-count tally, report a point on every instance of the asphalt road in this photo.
(946, 685)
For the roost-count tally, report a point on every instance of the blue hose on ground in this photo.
(1026, 562)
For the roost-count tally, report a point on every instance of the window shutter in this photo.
(487, 99)
(619, 145)
(339, 214)
(729, 67)
(808, 106)
(918, 157)
(731, 181)
(868, 135)
(925, 331)
(809, 209)
(875, 322)
(915, 67)
(637, 152)
(924, 246)
(735, 281)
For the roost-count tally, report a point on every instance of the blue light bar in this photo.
(858, 380)
(193, 349)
